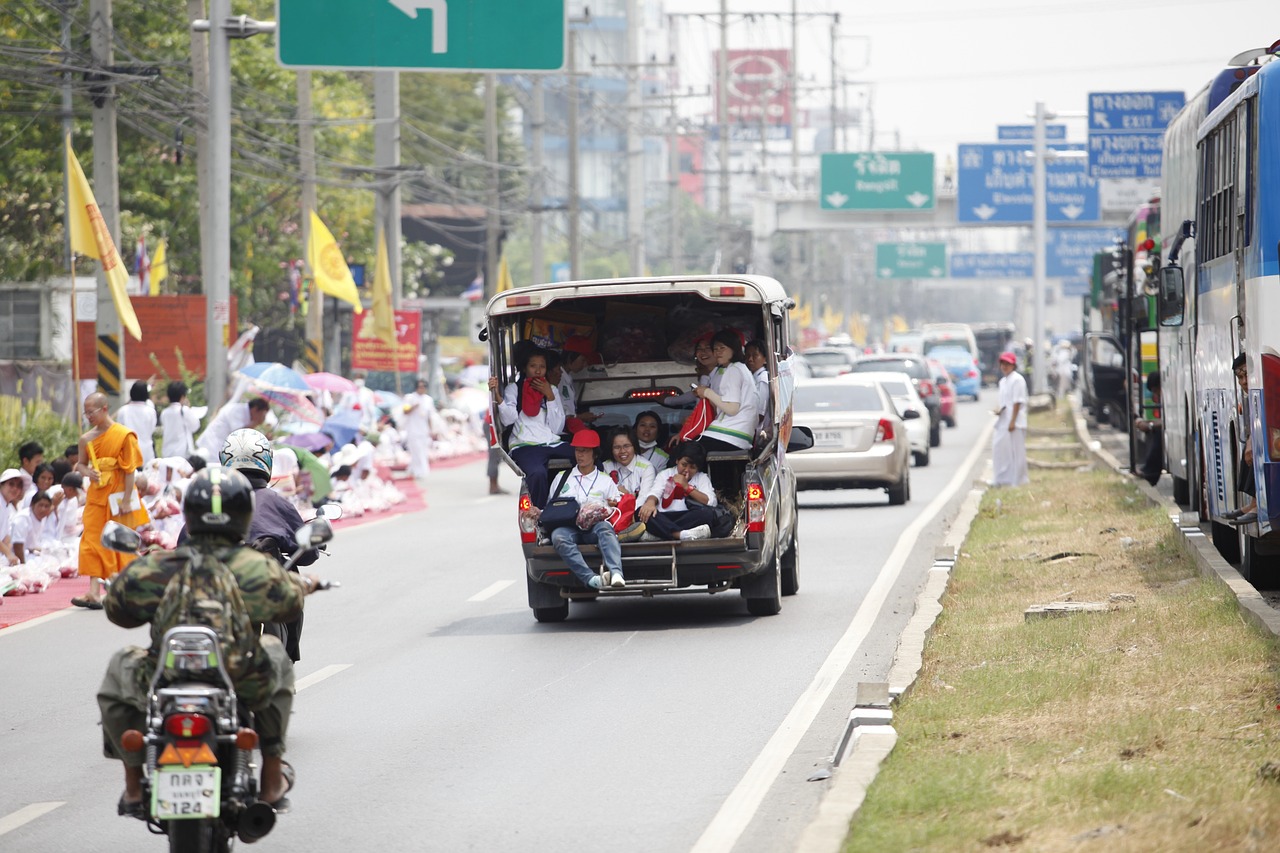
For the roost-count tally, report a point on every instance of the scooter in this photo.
(200, 776)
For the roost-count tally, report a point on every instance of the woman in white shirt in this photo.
(668, 512)
(733, 394)
(648, 430)
(178, 424)
(588, 484)
(633, 474)
(533, 409)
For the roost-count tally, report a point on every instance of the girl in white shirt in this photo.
(589, 484)
(633, 474)
(534, 410)
(678, 505)
(648, 429)
(733, 393)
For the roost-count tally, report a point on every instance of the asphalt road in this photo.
(435, 714)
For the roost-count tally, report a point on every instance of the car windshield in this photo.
(912, 368)
(837, 398)
(826, 358)
(951, 355)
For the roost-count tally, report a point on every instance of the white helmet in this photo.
(247, 450)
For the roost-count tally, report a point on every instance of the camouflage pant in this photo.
(123, 703)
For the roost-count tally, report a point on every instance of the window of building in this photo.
(20, 324)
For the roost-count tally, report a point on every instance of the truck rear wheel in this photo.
(551, 614)
(545, 601)
(790, 563)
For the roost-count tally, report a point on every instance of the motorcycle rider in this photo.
(275, 519)
(269, 594)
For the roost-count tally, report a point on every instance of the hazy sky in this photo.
(943, 72)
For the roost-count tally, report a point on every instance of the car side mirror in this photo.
(313, 533)
(117, 537)
(801, 439)
(911, 415)
(1171, 296)
(333, 512)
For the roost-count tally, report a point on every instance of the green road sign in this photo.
(877, 181)
(443, 35)
(911, 260)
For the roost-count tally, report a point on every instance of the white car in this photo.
(905, 398)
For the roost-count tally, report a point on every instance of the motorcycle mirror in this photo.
(314, 533)
(333, 512)
(117, 537)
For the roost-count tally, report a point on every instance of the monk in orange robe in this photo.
(109, 458)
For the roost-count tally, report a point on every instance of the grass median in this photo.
(1151, 724)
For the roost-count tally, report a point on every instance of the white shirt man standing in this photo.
(1009, 442)
(231, 417)
(178, 423)
(139, 415)
(418, 411)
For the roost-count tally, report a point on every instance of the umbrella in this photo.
(315, 442)
(321, 485)
(344, 427)
(295, 402)
(330, 382)
(272, 375)
(387, 400)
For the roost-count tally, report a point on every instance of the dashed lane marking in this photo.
(25, 815)
(490, 591)
(319, 676)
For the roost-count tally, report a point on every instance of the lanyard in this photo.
(586, 493)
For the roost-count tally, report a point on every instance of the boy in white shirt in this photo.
(667, 511)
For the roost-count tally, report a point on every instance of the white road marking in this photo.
(39, 620)
(319, 676)
(742, 803)
(25, 815)
(490, 591)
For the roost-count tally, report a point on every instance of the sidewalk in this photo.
(17, 609)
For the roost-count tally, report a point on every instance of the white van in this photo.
(949, 335)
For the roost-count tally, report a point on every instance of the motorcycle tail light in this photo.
(246, 739)
(187, 753)
(755, 507)
(187, 725)
(132, 740)
(884, 432)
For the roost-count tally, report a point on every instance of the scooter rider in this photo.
(275, 520)
(268, 593)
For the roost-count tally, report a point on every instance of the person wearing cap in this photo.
(11, 491)
(589, 484)
(1009, 442)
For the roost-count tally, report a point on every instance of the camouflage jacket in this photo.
(269, 593)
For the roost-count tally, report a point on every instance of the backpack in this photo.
(204, 591)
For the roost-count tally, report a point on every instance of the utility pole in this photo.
(493, 217)
(537, 258)
(635, 146)
(386, 157)
(110, 345)
(575, 212)
(1038, 228)
(313, 355)
(722, 121)
(835, 77)
(200, 81)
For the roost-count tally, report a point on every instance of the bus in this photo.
(1231, 307)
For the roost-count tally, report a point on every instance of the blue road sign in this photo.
(559, 272)
(1069, 251)
(992, 264)
(1026, 132)
(996, 185)
(1076, 287)
(1126, 132)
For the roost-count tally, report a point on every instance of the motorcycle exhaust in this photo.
(255, 822)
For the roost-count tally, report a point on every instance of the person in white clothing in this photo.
(588, 484)
(67, 511)
(178, 423)
(757, 361)
(231, 417)
(29, 530)
(1009, 442)
(667, 512)
(418, 411)
(10, 498)
(648, 430)
(139, 415)
(633, 474)
(531, 406)
(733, 393)
(362, 402)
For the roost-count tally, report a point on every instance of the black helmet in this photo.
(219, 502)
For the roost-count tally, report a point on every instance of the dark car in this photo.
(921, 374)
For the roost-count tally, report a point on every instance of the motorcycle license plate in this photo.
(186, 793)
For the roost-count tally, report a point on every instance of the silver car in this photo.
(903, 393)
(859, 440)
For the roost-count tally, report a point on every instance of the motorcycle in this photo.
(200, 776)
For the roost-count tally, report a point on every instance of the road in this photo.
(435, 714)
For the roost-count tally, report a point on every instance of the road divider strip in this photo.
(491, 590)
(25, 815)
(319, 675)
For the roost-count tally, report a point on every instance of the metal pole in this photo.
(1038, 228)
(217, 261)
(793, 80)
(537, 259)
(493, 220)
(386, 155)
(200, 81)
(575, 224)
(635, 145)
(107, 193)
(835, 76)
(307, 164)
(67, 128)
(722, 122)
(673, 187)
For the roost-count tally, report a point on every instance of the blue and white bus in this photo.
(1229, 186)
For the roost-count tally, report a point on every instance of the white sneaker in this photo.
(604, 578)
(649, 537)
(616, 580)
(594, 583)
(702, 531)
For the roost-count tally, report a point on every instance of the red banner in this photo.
(170, 325)
(372, 353)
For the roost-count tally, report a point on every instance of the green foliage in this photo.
(32, 421)
(193, 381)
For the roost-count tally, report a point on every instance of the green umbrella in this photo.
(321, 485)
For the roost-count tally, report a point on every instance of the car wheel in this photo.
(951, 422)
(900, 492)
(935, 433)
(921, 459)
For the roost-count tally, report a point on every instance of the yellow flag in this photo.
(504, 275)
(89, 237)
(159, 268)
(330, 269)
(384, 318)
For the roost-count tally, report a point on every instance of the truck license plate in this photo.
(184, 793)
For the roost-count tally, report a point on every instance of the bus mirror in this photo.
(1171, 297)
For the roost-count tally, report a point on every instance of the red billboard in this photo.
(173, 331)
(369, 352)
(759, 87)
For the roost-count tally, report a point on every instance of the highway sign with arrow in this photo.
(996, 185)
(877, 181)
(1126, 132)
(911, 260)
(421, 35)
(992, 264)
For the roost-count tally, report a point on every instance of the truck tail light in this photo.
(755, 505)
(884, 432)
(1271, 403)
(526, 517)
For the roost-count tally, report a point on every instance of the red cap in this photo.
(1009, 358)
(586, 438)
(579, 344)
